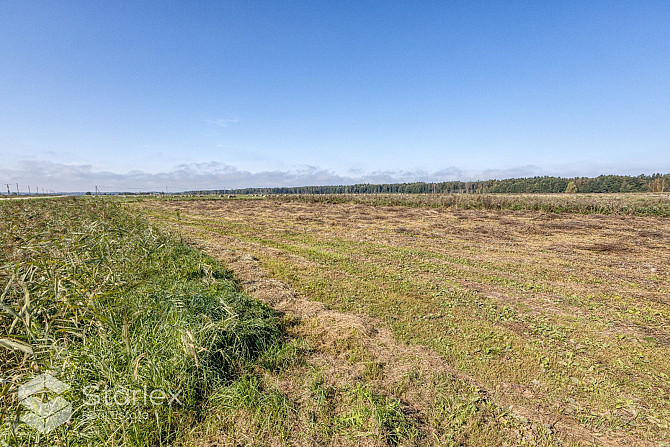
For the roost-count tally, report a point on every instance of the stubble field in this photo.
(481, 326)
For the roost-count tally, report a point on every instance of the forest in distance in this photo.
(544, 184)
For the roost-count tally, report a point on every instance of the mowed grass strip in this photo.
(569, 312)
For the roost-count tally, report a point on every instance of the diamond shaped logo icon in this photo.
(44, 416)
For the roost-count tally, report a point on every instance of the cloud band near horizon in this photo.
(216, 175)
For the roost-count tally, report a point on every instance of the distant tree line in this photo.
(601, 184)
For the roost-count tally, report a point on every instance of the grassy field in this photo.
(340, 320)
(539, 323)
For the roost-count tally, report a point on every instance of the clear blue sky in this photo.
(254, 93)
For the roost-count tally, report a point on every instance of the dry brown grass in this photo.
(560, 319)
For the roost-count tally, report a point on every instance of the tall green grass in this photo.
(102, 301)
(648, 204)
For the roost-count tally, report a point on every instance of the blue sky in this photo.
(230, 94)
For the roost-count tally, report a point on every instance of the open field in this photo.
(481, 326)
(435, 321)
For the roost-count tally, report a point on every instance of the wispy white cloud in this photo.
(222, 122)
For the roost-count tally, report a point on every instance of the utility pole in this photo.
(8, 193)
(28, 189)
(17, 189)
